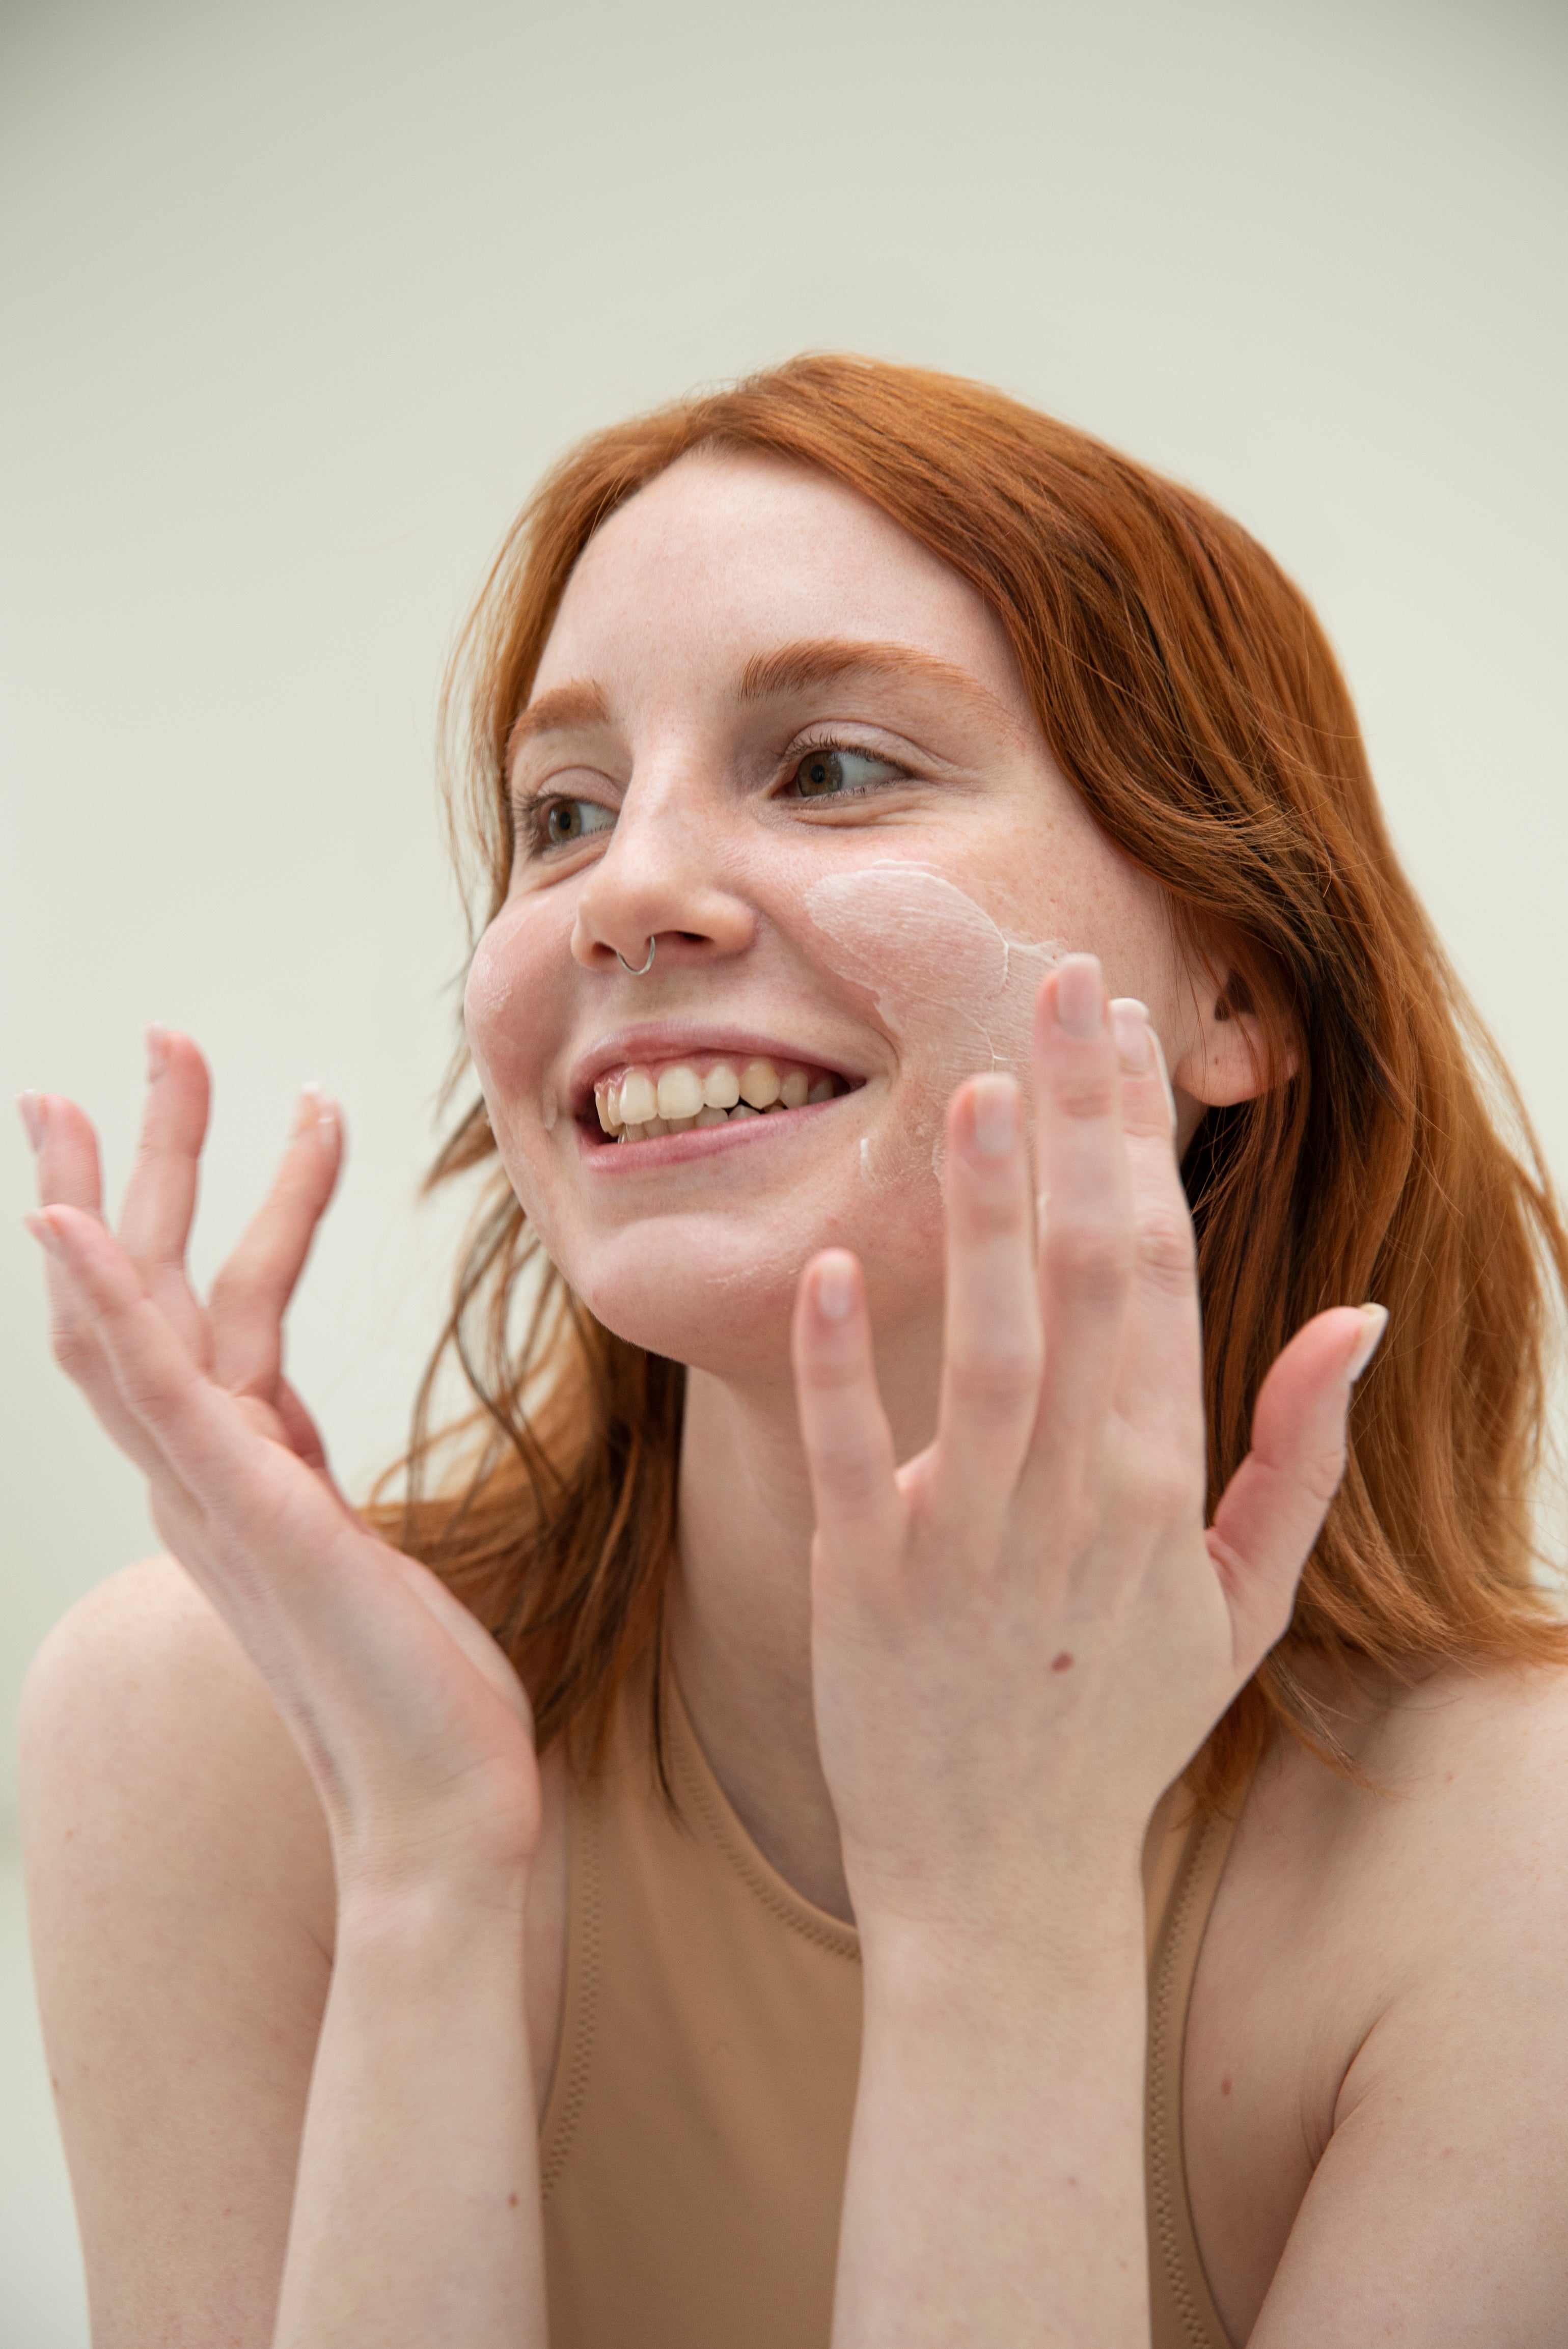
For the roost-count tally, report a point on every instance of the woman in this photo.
(881, 787)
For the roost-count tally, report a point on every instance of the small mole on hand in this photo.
(1225, 2086)
(512, 2199)
(1062, 1663)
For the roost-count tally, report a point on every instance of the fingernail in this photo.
(156, 1052)
(316, 1109)
(46, 1235)
(1130, 1025)
(996, 1102)
(1375, 1317)
(35, 1117)
(836, 1287)
(1079, 996)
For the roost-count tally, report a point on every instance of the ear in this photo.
(1226, 1057)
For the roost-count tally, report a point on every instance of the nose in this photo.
(659, 882)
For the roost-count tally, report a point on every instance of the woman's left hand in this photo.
(1021, 1637)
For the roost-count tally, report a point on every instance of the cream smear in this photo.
(954, 992)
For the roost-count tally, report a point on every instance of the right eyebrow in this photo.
(580, 703)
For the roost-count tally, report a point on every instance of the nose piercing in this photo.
(645, 967)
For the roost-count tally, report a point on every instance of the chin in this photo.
(718, 1293)
(731, 1324)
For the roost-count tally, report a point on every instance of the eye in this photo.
(830, 770)
(563, 821)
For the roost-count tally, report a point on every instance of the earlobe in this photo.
(1229, 1060)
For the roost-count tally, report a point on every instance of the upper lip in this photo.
(668, 1040)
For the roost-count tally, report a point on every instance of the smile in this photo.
(645, 1102)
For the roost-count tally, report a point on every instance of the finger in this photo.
(993, 1350)
(67, 1156)
(1086, 1244)
(161, 1198)
(1274, 1504)
(848, 1447)
(1160, 1390)
(76, 1340)
(251, 1291)
(66, 1152)
(182, 1426)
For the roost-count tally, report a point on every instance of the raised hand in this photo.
(1022, 1636)
(416, 1729)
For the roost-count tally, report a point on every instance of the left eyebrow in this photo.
(824, 661)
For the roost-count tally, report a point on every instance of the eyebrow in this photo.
(768, 677)
(577, 704)
(823, 660)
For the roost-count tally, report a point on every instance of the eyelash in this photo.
(851, 749)
(529, 813)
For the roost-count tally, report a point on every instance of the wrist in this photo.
(1062, 1915)
(392, 1895)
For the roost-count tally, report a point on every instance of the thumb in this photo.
(1273, 1507)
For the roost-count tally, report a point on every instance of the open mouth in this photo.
(645, 1101)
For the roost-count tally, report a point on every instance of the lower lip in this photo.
(702, 1141)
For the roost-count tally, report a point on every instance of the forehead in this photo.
(724, 556)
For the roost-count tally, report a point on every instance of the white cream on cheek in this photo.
(954, 993)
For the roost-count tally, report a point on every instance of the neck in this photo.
(741, 1623)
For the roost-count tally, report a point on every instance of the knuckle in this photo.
(1084, 1094)
(1089, 1259)
(852, 1481)
(996, 1211)
(1165, 1250)
(1320, 1470)
(73, 1350)
(1001, 1381)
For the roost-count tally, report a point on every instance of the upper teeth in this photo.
(640, 1105)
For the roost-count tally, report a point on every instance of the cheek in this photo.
(954, 992)
(508, 1013)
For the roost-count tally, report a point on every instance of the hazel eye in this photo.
(569, 820)
(830, 773)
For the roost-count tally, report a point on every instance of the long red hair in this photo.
(1185, 688)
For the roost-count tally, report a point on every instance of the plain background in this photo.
(298, 300)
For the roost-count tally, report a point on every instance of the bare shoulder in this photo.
(1377, 2056)
(1461, 1820)
(1378, 2066)
(1470, 1801)
(144, 1718)
(181, 1894)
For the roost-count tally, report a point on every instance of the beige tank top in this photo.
(693, 2148)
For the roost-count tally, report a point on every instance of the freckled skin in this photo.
(714, 562)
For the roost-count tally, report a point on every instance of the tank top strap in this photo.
(1184, 2315)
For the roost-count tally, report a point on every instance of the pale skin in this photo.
(881, 1570)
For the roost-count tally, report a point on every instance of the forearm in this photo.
(417, 2212)
(996, 2192)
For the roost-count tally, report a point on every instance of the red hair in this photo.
(1186, 689)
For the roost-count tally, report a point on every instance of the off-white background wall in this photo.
(297, 300)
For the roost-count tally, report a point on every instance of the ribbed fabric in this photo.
(693, 2148)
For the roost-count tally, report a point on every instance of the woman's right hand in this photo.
(415, 1727)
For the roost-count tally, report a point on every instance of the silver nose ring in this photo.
(645, 967)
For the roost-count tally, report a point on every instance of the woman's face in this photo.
(775, 736)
